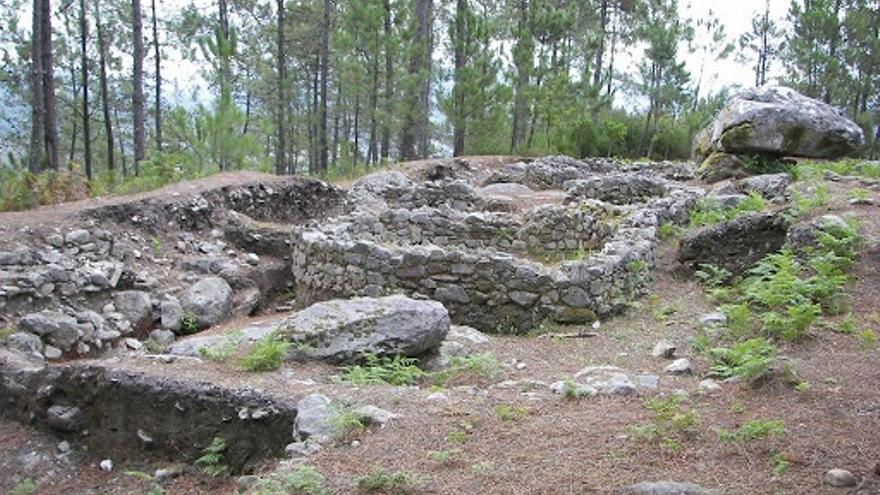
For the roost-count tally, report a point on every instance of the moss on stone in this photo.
(736, 137)
(575, 316)
(792, 137)
(702, 145)
(720, 166)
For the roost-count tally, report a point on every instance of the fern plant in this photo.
(396, 370)
(748, 359)
(211, 460)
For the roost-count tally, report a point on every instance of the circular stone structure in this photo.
(498, 271)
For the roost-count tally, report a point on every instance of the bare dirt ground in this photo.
(59, 212)
(556, 446)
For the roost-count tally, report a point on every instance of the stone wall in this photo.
(544, 229)
(489, 289)
(618, 188)
(85, 287)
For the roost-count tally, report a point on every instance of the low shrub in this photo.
(266, 354)
(382, 481)
(751, 431)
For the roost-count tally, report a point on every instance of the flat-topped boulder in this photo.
(779, 121)
(343, 330)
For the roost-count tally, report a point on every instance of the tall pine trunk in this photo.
(325, 71)
(38, 108)
(137, 100)
(281, 108)
(459, 46)
(87, 128)
(522, 58)
(105, 97)
(414, 136)
(373, 154)
(388, 104)
(600, 50)
(51, 118)
(157, 114)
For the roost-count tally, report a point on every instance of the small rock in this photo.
(52, 352)
(376, 415)
(63, 447)
(133, 344)
(79, 236)
(302, 449)
(664, 349)
(468, 334)
(713, 319)
(56, 328)
(709, 385)
(63, 418)
(252, 259)
(840, 478)
(437, 396)
(25, 342)
(162, 337)
(665, 488)
(106, 465)
(169, 472)
(679, 367)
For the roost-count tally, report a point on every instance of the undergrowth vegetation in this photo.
(814, 170)
(23, 190)
(395, 370)
(709, 212)
(266, 354)
(671, 423)
(212, 459)
(304, 480)
(781, 298)
(382, 481)
(402, 371)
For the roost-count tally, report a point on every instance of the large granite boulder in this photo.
(344, 329)
(735, 245)
(779, 121)
(209, 301)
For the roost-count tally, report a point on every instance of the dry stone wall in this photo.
(492, 270)
(73, 288)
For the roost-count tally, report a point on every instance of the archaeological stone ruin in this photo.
(422, 261)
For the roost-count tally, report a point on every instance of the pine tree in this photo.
(138, 84)
(87, 128)
(762, 41)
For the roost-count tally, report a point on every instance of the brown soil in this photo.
(586, 446)
(58, 213)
